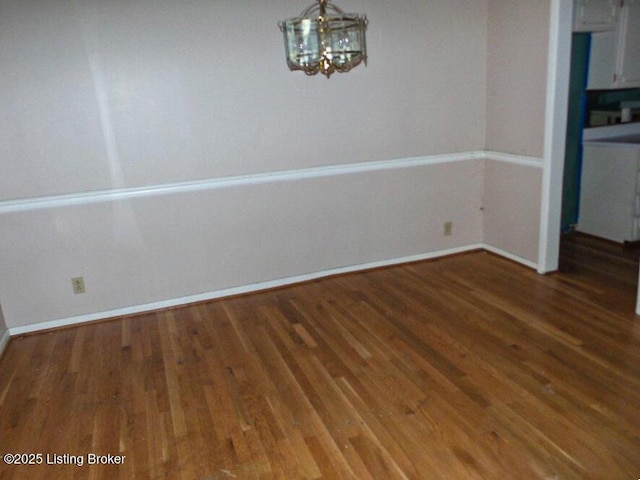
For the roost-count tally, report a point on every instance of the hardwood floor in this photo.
(594, 262)
(467, 367)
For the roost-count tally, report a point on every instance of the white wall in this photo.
(512, 208)
(148, 249)
(517, 46)
(97, 95)
(114, 104)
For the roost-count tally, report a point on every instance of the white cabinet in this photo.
(628, 71)
(602, 61)
(614, 61)
(595, 15)
(609, 196)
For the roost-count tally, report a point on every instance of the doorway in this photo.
(580, 47)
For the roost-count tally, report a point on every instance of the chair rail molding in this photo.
(55, 201)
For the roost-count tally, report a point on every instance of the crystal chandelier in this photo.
(325, 39)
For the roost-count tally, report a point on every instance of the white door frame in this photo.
(558, 71)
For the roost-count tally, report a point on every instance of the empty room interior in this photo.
(215, 267)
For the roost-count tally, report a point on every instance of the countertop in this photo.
(624, 140)
(614, 136)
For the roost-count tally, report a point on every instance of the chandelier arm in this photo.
(335, 8)
(307, 11)
(321, 7)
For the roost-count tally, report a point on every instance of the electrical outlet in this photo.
(78, 285)
(448, 229)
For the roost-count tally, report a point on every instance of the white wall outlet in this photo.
(78, 285)
(448, 229)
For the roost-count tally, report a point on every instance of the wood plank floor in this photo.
(468, 367)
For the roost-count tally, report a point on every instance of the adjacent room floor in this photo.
(466, 367)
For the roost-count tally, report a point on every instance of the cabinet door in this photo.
(602, 61)
(608, 192)
(595, 15)
(628, 71)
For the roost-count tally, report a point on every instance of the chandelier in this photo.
(325, 39)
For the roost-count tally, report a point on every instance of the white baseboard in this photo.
(510, 256)
(4, 341)
(255, 287)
